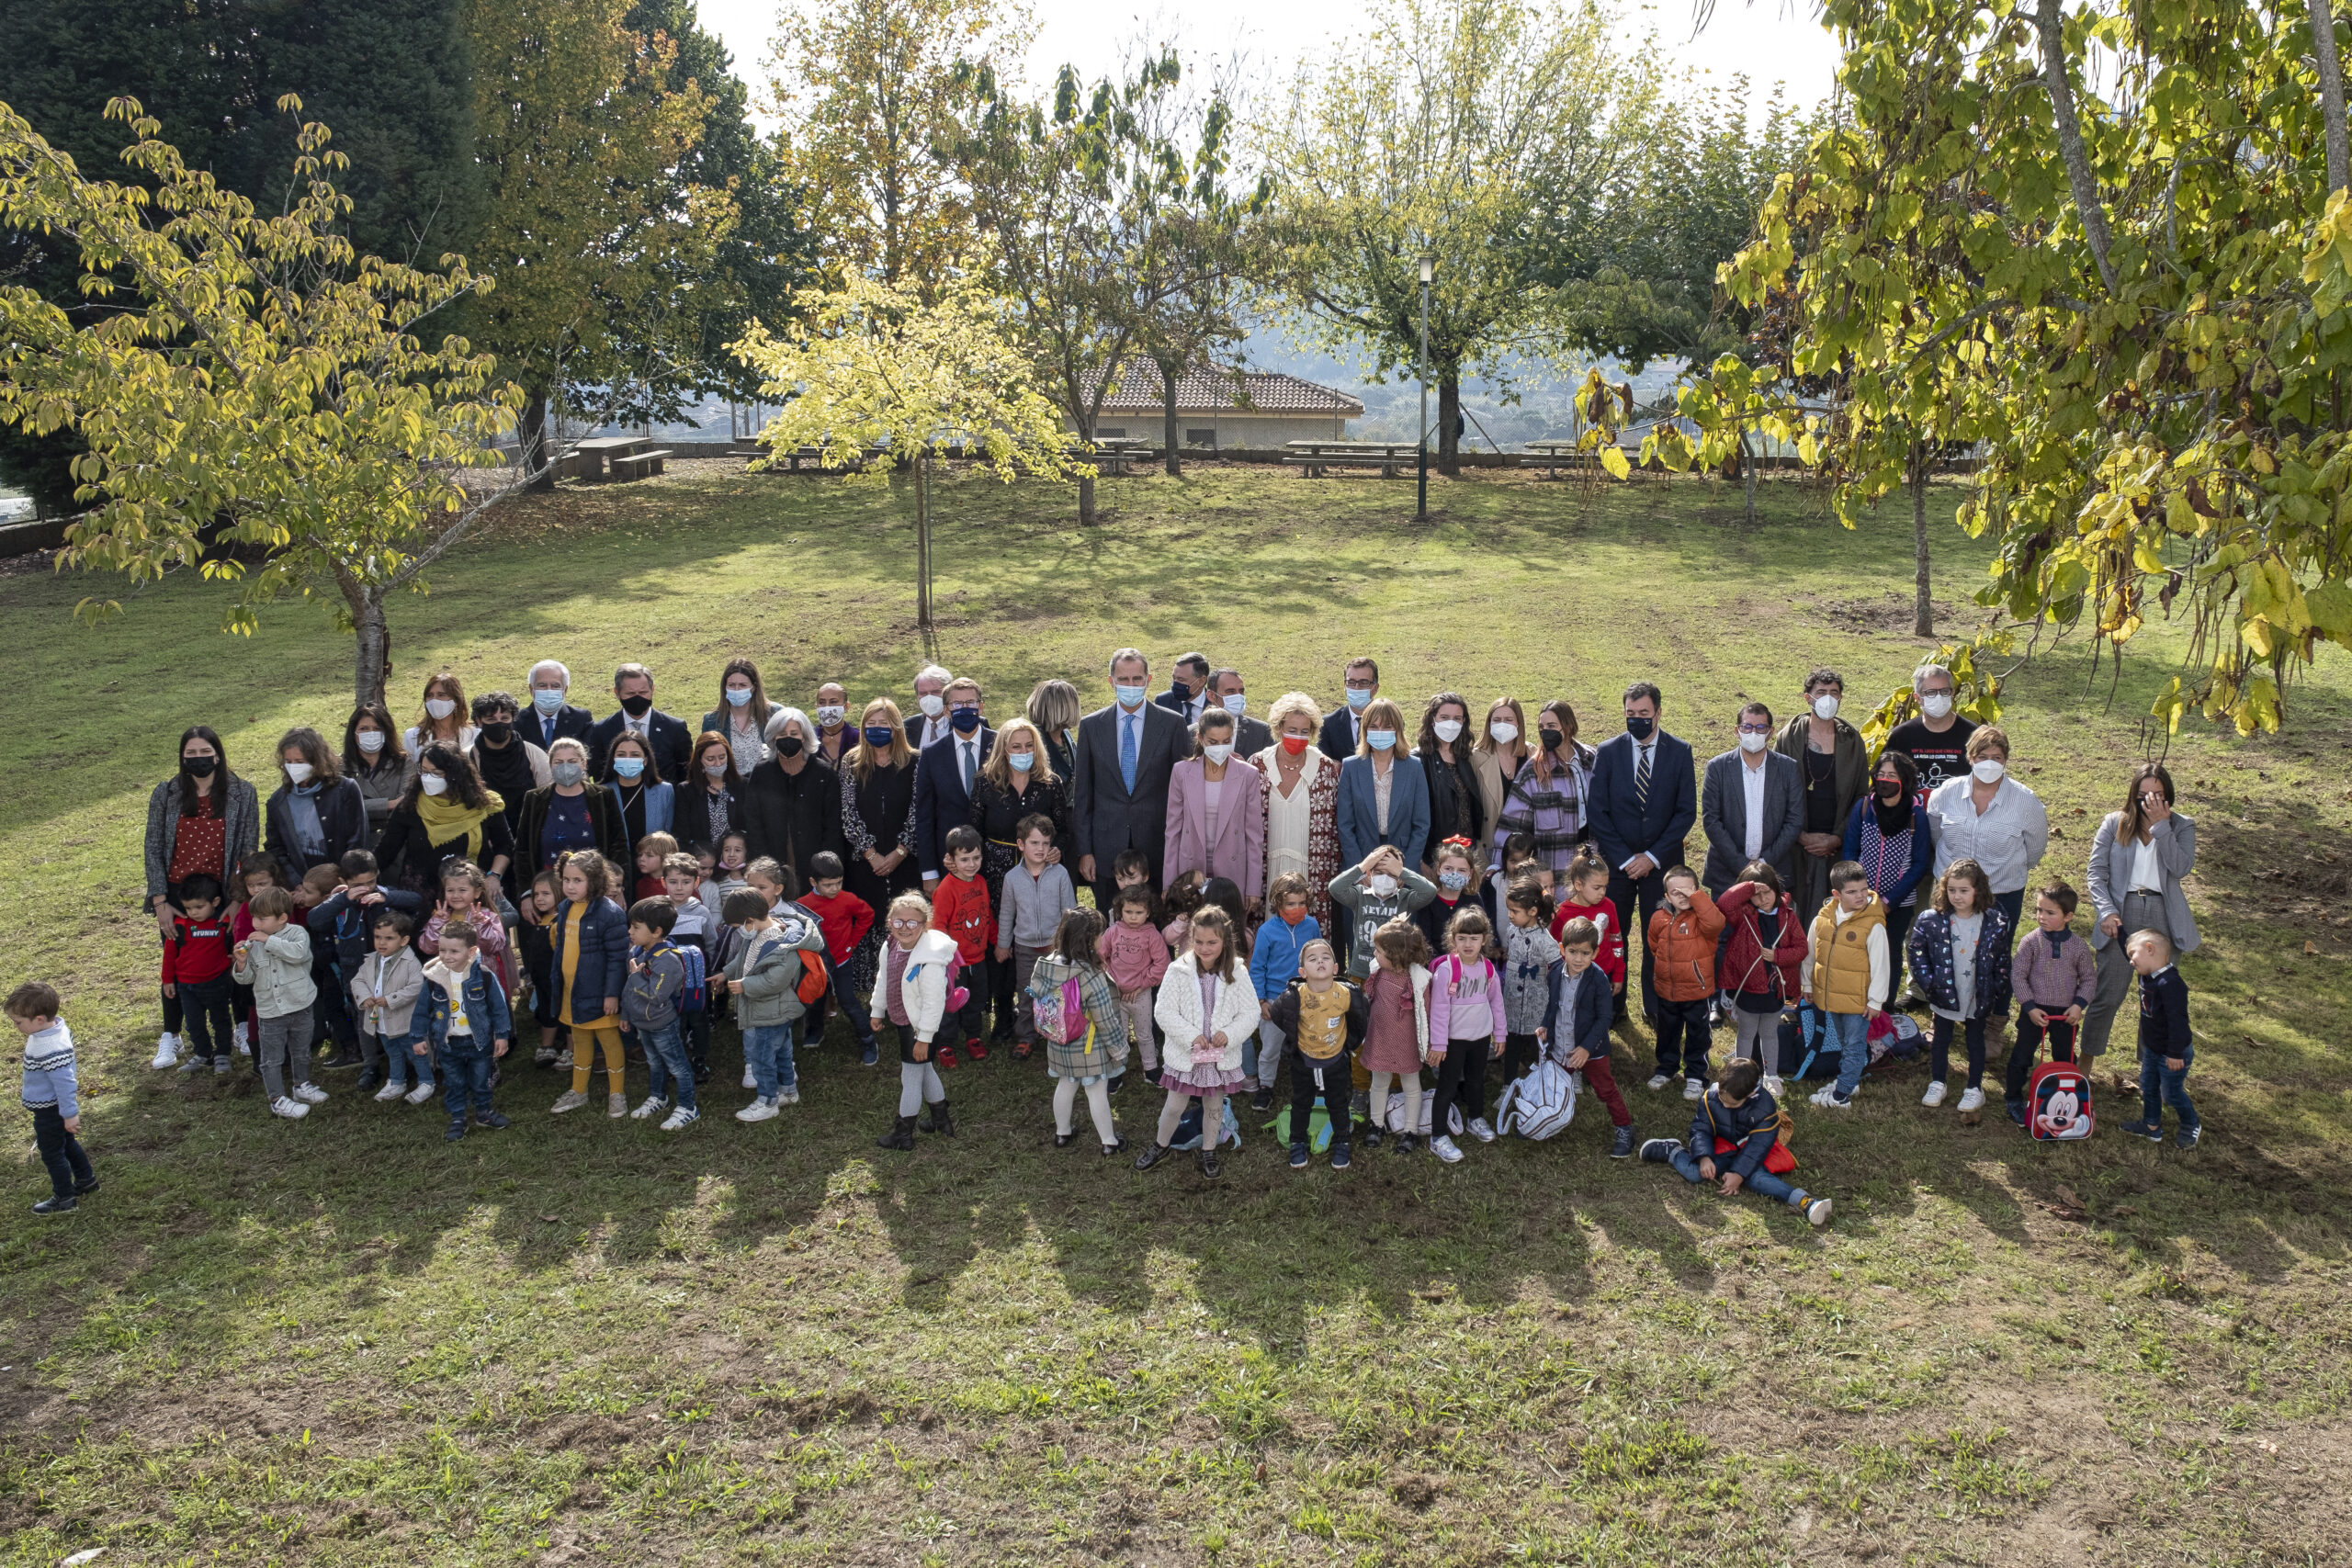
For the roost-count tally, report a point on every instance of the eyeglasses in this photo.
(1755, 729)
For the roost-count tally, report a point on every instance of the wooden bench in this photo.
(1553, 456)
(637, 464)
(1316, 458)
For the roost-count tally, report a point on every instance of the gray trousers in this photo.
(1757, 1036)
(283, 1046)
(2141, 911)
(919, 1085)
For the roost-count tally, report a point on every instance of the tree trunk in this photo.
(2051, 25)
(372, 664)
(1449, 421)
(922, 541)
(1923, 614)
(1748, 476)
(536, 453)
(1086, 483)
(2331, 94)
(1169, 372)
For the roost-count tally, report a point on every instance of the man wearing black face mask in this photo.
(943, 775)
(507, 763)
(1645, 800)
(664, 733)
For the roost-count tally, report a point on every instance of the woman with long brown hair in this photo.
(878, 821)
(316, 814)
(2138, 857)
(741, 716)
(1550, 797)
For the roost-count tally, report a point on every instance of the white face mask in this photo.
(931, 705)
(1753, 743)
(1382, 884)
(439, 707)
(1990, 771)
(1236, 704)
(1825, 707)
(831, 717)
(1219, 753)
(297, 772)
(434, 783)
(371, 740)
(1448, 729)
(1936, 704)
(1504, 731)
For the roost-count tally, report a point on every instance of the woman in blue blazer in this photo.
(1382, 751)
(649, 801)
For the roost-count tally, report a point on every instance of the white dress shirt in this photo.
(1751, 787)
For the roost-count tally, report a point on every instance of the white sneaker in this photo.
(310, 1094)
(292, 1110)
(615, 1105)
(167, 1052)
(1481, 1131)
(1658, 1081)
(653, 1102)
(188, 1067)
(758, 1111)
(563, 1060)
(1694, 1088)
(751, 1080)
(788, 1096)
(221, 1068)
(390, 1091)
(1774, 1086)
(1445, 1149)
(419, 1094)
(569, 1100)
(243, 1040)
(680, 1118)
(1816, 1213)
(1971, 1099)
(1934, 1097)
(1827, 1098)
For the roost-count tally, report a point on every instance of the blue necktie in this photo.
(1128, 750)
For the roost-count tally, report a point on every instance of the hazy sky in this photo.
(1770, 40)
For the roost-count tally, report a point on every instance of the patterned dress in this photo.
(1321, 778)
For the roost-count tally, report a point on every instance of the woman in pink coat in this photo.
(1217, 812)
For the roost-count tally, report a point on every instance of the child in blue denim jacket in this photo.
(462, 1018)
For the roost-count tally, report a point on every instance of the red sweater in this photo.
(1610, 959)
(199, 951)
(846, 917)
(961, 910)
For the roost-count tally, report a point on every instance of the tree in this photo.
(874, 366)
(868, 93)
(261, 385)
(1477, 132)
(2135, 301)
(593, 221)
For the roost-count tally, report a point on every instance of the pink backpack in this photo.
(1060, 1011)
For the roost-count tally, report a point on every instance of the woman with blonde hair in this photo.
(1495, 757)
(1302, 802)
(878, 821)
(1054, 708)
(1383, 795)
(1018, 781)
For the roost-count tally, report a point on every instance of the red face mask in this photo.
(1292, 916)
(1294, 744)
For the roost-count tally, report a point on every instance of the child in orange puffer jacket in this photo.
(1682, 948)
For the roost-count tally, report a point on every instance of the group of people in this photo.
(1325, 891)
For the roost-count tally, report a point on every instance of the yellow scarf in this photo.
(444, 819)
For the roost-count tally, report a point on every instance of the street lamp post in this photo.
(1429, 271)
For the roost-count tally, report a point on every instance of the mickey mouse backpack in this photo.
(2058, 1102)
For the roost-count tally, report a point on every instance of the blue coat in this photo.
(1623, 830)
(941, 800)
(602, 968)
(1408, 810)
(1590, 1028)
(1753, 1124)
(1273, 962)
(486, 1009)
(1923, 851)
(351, 927)
(1929, 953)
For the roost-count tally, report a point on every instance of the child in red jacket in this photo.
(960, 906)
(1588, 899)
(196, 972)
(1758, 960)
(845, 919)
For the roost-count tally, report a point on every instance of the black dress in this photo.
(409, 860)
(797, 816)
(880, 815)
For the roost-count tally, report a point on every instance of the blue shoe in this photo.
(2189, 1136)
(872, 1056)
(457, 1130)
(1298, 1156)
(2151, 1130)
(1339, 1160)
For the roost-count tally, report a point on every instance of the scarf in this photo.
(444, 818)
(1893, 821)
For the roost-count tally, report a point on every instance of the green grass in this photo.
(343, 1341)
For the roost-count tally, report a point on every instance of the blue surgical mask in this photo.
(1359, 699)
(1130, 696)
(1236, 704)
(547, 699)
(1380, 740)
(878, 735)
(738, 695)
(628, 767)
(1021, 761)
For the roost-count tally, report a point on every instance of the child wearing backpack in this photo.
(2053, 978)
(912, 981)
(1576, 1026)
(1073, 1008)
(693, 936)
(1467, 1026)
(651, 999)
(1396, 1024)
(1037, 894)
(1325, 1022)
(1735, 1132)
(1960, 956)
(764, 979)
(1135, 957)
(1758, 958)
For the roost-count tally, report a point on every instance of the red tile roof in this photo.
(1206, 391)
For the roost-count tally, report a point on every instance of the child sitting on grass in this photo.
(52, 1093)
(2165, 1051)
(1739, 1114)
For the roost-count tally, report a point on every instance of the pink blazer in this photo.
(1239, 849)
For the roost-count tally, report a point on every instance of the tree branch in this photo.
(2051, 25)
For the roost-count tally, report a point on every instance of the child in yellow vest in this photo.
(1846, 974)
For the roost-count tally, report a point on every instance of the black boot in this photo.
(1208, 1160)
(1152, 1155)
(937, 1120)
(901, 1134)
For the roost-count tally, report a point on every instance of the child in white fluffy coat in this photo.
(911, 979)
(1208, 1010)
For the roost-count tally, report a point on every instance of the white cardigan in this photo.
(1421, 1009)
(923, 988)
(1178, 1013)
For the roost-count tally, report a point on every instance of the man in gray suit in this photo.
(1125, 753)
(1253, 734)
(1752, 804)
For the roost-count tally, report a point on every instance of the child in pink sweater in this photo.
(1134, 956)
(1467, 1026)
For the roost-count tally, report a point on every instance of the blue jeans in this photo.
(401, 1064)
(2156, 1079)
(852, 1008)
(1764, 1184)
(665, 1059)
(767, 1050)
(1853, 1032)
(465, 1071)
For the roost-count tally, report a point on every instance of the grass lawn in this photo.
(343, 1341)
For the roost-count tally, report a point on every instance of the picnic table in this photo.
(1316, 458)
(1113, 456)
(1557, 453)
(619, 456)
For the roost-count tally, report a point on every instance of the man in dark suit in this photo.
(1188, 688)
(1644, 799)
(1255, 735)
(1343, 725)
(1752, 805)
(666, 735)
(944, 773)
(551, 717)
(1125, 753)
(927, 720)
